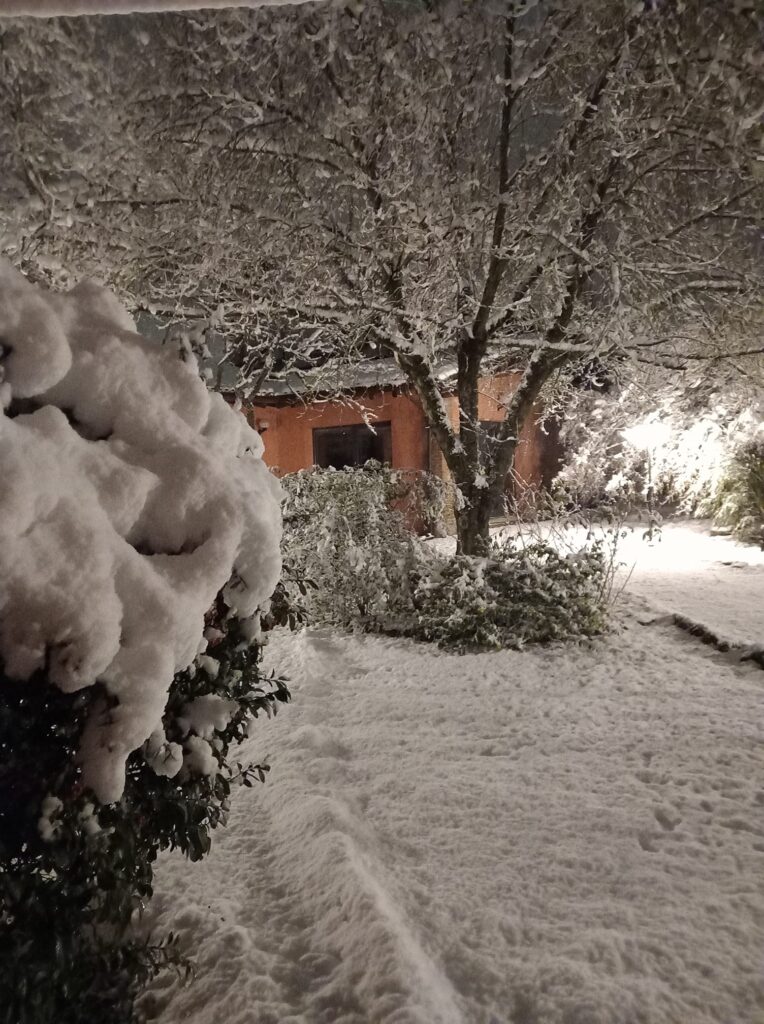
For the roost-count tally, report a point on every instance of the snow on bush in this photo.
(347, 544)
(75, 874)
(351, 562)
(738, 501)
(131, 497)
(517, 595)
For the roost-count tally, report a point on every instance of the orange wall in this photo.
(493, 395)
(288, 438)
(532, 444)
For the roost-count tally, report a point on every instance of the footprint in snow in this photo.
(646, 840)
(321, 742)
(666, 819)
(324, 658)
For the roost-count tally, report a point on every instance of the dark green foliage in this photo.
(288, 601)
(68, 952)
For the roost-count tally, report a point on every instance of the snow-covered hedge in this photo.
(131, 497)
(74, 874)
(352, 562)
(738, 500)
(346, 539)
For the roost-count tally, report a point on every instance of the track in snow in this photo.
(558, 836)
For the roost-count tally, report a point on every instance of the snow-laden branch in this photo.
(446, 184)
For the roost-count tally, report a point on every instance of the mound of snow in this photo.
(131, 496)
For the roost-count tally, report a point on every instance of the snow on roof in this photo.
(338, 376)
(334, 376)
(131, 496)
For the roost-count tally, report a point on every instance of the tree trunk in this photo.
(472, 522)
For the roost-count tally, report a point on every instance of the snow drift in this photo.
(130, 497)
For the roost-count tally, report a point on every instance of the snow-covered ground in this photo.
(566, 835)
(712, 580)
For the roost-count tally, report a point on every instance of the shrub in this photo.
(738, 502)
(516, 596)
(419, 497)
(73, 873)
(343, 534)
(354, 564)
(130, 497)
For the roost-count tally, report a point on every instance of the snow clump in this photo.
(131, 497)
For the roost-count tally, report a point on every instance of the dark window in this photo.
(351, 446)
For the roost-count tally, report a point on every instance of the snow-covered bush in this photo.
(358, 566)
(347, 546)
(420, 497)
(657, 442)
(74, 872)
(738, 501)
(138, 525)
(517, 595)
(132, 496)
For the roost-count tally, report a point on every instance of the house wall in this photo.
(534, 448)
(287, 430)
(288, 437)
(537, 450)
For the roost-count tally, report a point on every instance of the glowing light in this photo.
(648, 435)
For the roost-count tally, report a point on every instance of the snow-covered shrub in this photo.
(420, 497)
(73, 872)
(369, 572)
(133, 502)
(519, 594)
(738, 501)
(131, 497)
(656, 442)
(347, 546)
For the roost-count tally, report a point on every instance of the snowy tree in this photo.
(538, 187)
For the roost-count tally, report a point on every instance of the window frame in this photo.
(382, 429)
